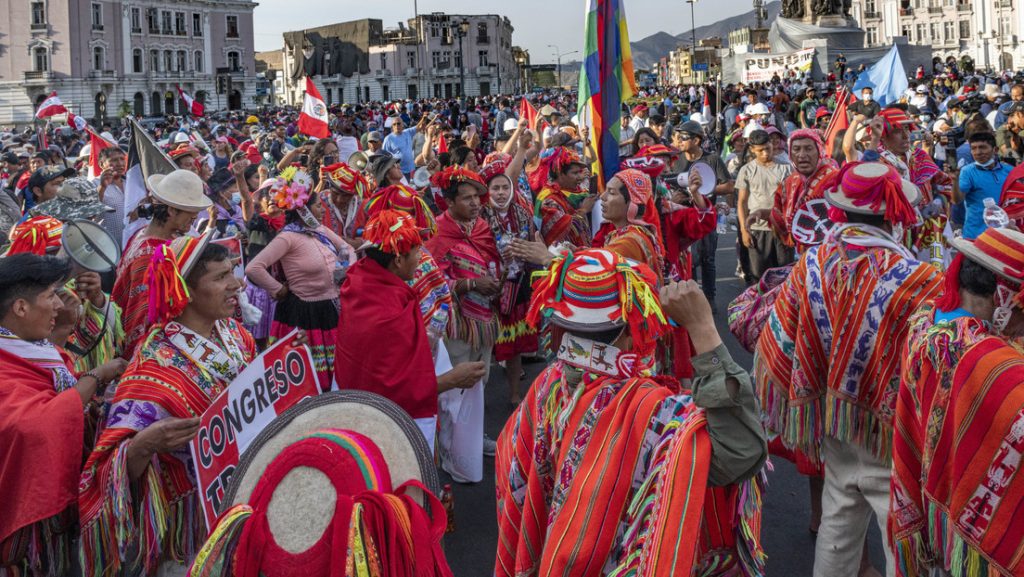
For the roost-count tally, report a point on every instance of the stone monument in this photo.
(820, 20)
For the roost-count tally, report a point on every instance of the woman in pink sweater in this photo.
(302, 268)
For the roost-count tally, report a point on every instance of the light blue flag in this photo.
(887, 78)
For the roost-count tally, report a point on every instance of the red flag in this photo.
(527, 113)
(442, 146)
(313, 120)
(51, 106)
(96, 144)
(195, 107)
(839, 120)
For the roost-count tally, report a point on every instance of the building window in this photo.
(199, 61)
(908, 32)
(179, 24)
(965, 29)
(435, 59)
(136, 20)
(950, 31)
(411, 59)
(234, 62)
(165, 23)
(97, 58)
(437, 91)
(168, 60)
(947, 3)
(40, 59)
(485, 57)
(481, 33)
(232, 26)
(458, 59)
(38, 14)
(869, 6)
(384, 62)
(137, 60)
(182, 61)
(97, 16)
(154, 60)
(1004, 26)
(933, 29)
(197, 24)
(386, 92)
(872, 35)
(922, 33)
(153, 20)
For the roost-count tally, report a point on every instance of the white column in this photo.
(126, 38)
(207, 45)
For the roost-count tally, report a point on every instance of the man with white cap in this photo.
(829, 377)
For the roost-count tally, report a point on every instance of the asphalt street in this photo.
(785, 534)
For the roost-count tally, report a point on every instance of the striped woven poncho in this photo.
(828, 357)
(131, 292)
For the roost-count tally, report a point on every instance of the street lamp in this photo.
(462, 30)
(558, 59)
(693, 37)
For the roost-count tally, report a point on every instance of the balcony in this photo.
(906, 11)
(136, 30)
(97, 28)
(484, 70)
(102, 74)
(483, 39)
(872, 15)
(935, 10)
(38, 76)
(1005, 3)
(39, 26)
(964, 8)
(382, 73)
(412, 71)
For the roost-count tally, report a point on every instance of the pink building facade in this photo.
(110, 57)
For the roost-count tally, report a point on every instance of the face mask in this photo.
(867, 97)
(991, 162)
(236, 198)
(1001, 316)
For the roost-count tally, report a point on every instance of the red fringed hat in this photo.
(405, 199)
(656, 150)
(999, 250)
(168, 267)
(558, 158)
(895, 118)
(874, 188)
(493, 169)
(456, 175)
(649, 165)
(37, 235)
(346, 179)
(596, 290)
(341, 480)
(393, 232)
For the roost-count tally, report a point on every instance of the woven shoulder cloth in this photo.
(748, 313)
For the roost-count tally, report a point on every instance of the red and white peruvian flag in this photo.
(313, 120)
(51, 107)
(194, 106)
(96, 144)
(705, 110)
(77, 122)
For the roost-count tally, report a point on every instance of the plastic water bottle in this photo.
(995, 216)
(722, 225)
(436, 328)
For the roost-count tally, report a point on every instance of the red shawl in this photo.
(1012, 197)
(450, 233)
(796, 191)
(974, 486)
(380, 324)
(42, 449)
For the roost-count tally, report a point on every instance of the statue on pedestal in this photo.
(810, 11)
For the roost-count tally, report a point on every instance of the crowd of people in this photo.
(425, 243)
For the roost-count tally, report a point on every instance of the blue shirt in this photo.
(400, 146)
(977, 184)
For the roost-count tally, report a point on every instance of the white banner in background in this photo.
(761, 67)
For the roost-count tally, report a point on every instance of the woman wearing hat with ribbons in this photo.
(980, 301)
(313, 260)
(560, 204)
(605, 467)
(138, 474)
(175, 201)
(829, 377)
(347, 190)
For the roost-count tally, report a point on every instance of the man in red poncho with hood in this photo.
(383, 346)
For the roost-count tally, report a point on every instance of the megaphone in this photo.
(358, 160)
(89, 246)
(421, 178)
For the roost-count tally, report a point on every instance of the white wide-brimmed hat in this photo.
(181, 189)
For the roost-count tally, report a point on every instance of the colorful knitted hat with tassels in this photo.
(168, 267)
(393, 232)
(346, 179)
(405, 199)
(37, 235)
(596, 290)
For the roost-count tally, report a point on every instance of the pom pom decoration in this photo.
(168, 293)
(393, 232)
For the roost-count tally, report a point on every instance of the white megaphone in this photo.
(89, 246)
(358, 160)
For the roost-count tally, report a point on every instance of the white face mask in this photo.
(991, 162)
(868, 97)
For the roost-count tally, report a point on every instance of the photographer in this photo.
(1008, 137)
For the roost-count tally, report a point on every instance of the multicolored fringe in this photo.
(479, 334)
(42, 549)
(911, 554)
(161, 529)
(803, 428)
(851, 423)
(952, 552)
(215, 557)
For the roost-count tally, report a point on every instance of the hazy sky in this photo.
(537, 23)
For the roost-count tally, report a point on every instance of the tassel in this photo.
(949, 300)
(212, 560)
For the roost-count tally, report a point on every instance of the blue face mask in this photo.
(236, 198)
(989, 164)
